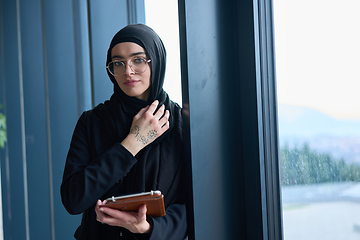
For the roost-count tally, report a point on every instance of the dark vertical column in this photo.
(82, 55)
(62, 109)
(136, 11)
(37, 164)
(4, 164)
(200, 57)
(140, 11)
(231, 130)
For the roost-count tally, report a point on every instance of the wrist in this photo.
(147, 228)
(149, 220)
(142, 228)
(131, 145)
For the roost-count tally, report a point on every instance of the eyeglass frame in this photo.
(125, 64)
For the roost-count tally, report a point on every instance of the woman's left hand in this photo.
(135, 222)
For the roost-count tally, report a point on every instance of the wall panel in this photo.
(32, 59)
(62, 99)
(106, 18)
(17, 227)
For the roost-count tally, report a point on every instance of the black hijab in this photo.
(158, 163)
(148, 39)
(155, 50)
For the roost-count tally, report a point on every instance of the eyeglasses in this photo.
(137, 64)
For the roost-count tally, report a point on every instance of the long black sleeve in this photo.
(85, 180)
(172, 226)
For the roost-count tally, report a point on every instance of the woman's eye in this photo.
(118, 64)
(138, 60)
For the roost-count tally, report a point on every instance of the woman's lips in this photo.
(131, 82)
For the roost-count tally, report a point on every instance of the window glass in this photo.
(162, 16)
(318, 79)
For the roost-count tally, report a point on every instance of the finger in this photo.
(165, 127)
(100, 215)
(108, 211)
(160, 112)
(142, 211)
(165, 118)
(118, 214)
(98, 204)
(103, 216)
(141, 112)
(153, 107)
(99, 207)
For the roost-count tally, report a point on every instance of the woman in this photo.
(129, 144)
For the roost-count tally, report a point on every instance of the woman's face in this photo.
(131, 83)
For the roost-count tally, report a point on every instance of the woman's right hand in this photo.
(133, 221)
(147, 125)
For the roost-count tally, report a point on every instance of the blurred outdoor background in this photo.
(317, 62)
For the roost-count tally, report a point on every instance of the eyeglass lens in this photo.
(138, 65)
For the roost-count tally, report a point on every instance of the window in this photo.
(317, 62)
(165, 23)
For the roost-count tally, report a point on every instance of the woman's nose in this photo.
(128, 69)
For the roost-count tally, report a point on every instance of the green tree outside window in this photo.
(3, 136)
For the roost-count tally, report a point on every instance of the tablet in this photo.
(153, 200)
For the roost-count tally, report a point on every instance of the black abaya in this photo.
(98, 166)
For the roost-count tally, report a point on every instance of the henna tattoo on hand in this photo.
(142, 139)
(150, 136)
(135, 130)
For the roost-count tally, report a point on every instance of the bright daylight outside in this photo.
(317, 63)
(165, 23)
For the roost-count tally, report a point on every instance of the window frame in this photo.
(244, 160)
